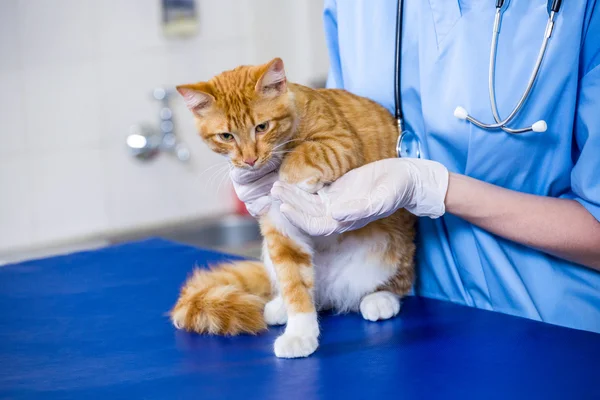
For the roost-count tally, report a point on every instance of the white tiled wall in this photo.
(76, 74)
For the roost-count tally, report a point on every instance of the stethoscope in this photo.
(408, 144)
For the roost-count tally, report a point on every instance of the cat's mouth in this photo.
(264, 165)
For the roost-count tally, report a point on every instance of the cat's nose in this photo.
(250, 161)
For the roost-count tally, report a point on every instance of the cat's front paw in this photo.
(275, 312)
(379, 305)
(301, 336)
(292, 346)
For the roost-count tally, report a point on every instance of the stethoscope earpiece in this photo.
(460, 113)
(540, 126)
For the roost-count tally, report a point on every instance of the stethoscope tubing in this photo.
(539, 126)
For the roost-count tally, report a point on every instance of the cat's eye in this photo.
(226, 137)
(262, 127)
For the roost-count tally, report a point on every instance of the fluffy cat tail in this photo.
(226, 299)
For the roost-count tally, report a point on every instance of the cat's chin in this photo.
(265, 167)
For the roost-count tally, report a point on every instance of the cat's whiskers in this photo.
(224, 178)
(217, 174)
(288, 151)
(212, 167)
(213, 173)
(286, 142)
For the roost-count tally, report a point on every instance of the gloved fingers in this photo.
(269, 178)
(250, 193)
(314, 226)
(290, 190)
(370, 206)
(259, 206)
(256, 189)
(245, 176)
(351, 210)
(311, 204)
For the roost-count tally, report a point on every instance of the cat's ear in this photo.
(197, 96)
(272, 81)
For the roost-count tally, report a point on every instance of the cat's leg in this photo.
(394, 249)
(320, 161)
(368, 270)
(291, 258)
(309, 165)
(384, 302)
(274, 312)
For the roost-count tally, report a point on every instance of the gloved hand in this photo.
(365, 194)
(254, 188)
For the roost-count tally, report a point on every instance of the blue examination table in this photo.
(94, 325)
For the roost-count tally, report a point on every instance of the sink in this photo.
(230, 234)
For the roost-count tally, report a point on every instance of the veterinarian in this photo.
(509, 200)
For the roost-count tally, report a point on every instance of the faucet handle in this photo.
(162, 94)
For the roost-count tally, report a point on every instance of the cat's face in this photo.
(246, 114)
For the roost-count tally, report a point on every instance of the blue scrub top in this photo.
(445, 56)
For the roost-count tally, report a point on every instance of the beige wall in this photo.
(76, 74)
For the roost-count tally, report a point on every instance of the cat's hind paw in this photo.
(275, 312)
(379, 305)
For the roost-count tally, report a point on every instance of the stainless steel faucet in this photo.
(146, 141)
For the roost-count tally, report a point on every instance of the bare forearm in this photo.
(560, 227)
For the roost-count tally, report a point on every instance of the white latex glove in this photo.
(365, 194)
(253, 188)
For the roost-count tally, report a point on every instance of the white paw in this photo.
(275, 312)
(379, 305)
(291, 346)
(301, 337)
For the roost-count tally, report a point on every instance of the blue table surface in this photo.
(93, 325)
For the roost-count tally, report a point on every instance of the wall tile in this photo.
(15, 203)
(195, 62)
(62, 106)
(224, 19)
(10, 50)
(68, 196)
(127, 27)
(161, 190)
(12, 115)
(57, 31)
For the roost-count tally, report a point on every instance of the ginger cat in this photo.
(257, 119)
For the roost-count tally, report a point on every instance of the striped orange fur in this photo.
(313, 136)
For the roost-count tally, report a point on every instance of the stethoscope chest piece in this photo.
(408, 145)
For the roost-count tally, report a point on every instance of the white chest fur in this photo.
(345, 270)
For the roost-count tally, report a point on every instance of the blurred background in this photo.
(94, 147)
